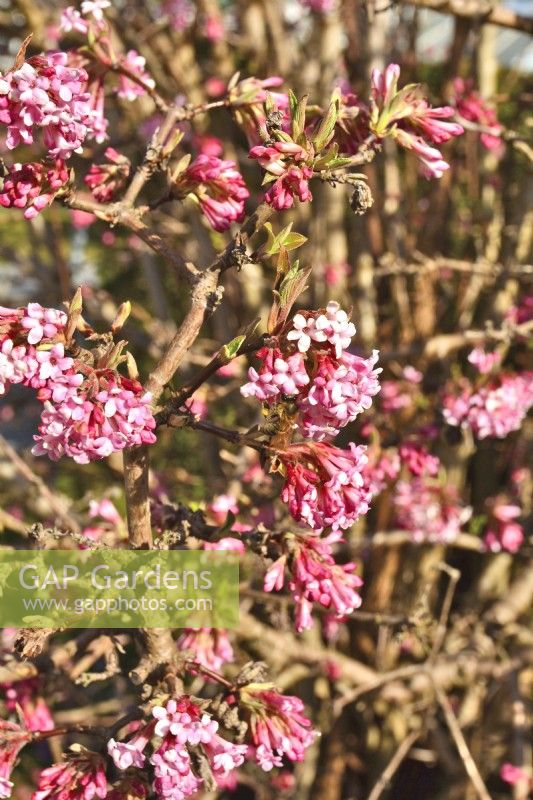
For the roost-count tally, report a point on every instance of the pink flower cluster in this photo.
(474, 108)
(407, 116)
(88, 414)
(324, 485)
(23, 697)
(382, 469)
(48, 94)
(315, 577)
(80, 777)
(181, 13)
(496, 409)
(341, 390)
(284, 162)
(129, 89)
(430, 511)
(504, 533)
(211, 646)
(32, 186)
(106, 180)
(331, 387)
(278, 375)
(417, 459)
(247, 99)
(278, 726)
(483, 361)
(218, 188)
(89, 423)
(182, 725)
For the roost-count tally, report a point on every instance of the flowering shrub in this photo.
(349, 420)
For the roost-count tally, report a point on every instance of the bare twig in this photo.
(393, 765)
(484, 12)
(470, 765)
(57, 504)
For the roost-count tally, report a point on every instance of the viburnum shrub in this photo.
(337, 431)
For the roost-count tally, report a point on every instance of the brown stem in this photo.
(203, 375)
(497, 15)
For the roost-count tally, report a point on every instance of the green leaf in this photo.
(231, 349)
(294, 240)
(275, 241)
(293, 103)
(298, 119)
(323, 135)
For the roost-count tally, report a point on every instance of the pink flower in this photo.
(406, 115)
(474, 108)
(282, 160)
(417, 459)
(496, 409)
(504, 533)
(180, 12)
(42, 323)
(95, 8)
(209, 145)
(226, 543)
(221, 506)
(277, 375)
(384, 85)
(32, 186)
(483, 361)
(81, 777)
(135, 64)
(218, 188)
(131, 753)
(214, 28)
(315, 578)
(106, 180)
(382, 469)
(512, 774)
(338, 393)
(211, 646)
(88, 413)
(334, 274)
(294, 183)
(324, 485)
(81, 219)
(23, 697)
(431, 512)
(331, 326)
(395, 396)
(128, 788)
(71, 20)
(182, 725)
(278, 726)
(104, 509)
(23, 363)
(46, 93)
(89, 423)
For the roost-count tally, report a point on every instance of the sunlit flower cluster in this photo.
(219, 189)
(495, 409)
(315, 577)
(330, 386)
(87, 413)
